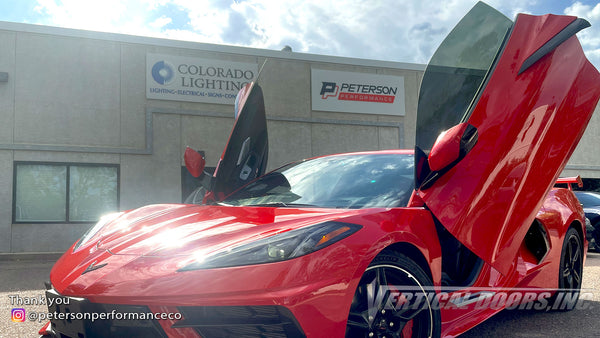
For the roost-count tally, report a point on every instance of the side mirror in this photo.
(451, 146)
(194, 162)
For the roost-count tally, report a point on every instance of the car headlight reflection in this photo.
(280, 247)
(104, 220)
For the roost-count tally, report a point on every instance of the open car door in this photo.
(502, 106)
(245, 155)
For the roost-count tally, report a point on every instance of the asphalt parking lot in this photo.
(25, 277)
(576, 323)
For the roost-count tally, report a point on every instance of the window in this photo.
(192, 191)
(338, 181)
(64, 193)
(457, 70)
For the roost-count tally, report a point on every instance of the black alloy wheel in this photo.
(393, 299)
(570, 273)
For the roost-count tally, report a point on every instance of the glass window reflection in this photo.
(63, 193)
(341, 181)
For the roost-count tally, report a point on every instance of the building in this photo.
(96, 122)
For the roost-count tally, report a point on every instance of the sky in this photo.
(390, 30)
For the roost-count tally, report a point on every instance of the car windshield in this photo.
(588, 199)
(339, 181)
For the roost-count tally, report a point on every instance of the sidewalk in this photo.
(22, 276)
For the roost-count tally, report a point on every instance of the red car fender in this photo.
(404, 226)
(395, 229)
(557, 215)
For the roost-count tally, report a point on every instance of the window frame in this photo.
(68, 166)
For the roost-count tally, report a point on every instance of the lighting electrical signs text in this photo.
(357, 92)
(196, 80)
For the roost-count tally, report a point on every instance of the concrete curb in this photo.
(30, 256)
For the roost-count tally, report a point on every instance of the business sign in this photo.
(357, 92)
(191, 79)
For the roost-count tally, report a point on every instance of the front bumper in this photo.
(75, 317)
(240, 321)
(78, 317)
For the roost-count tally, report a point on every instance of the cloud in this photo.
(375, 29)
(511, 8)
(378, 29)
(590, 37)
(160, 22)
(74, 13)
(116, 16)
(585, 11)
(404, 31)
(238, 30)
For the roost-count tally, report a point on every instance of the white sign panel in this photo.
(357, 92)
(192, 79)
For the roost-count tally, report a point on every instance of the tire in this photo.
(596, 236)
(376, 310)
(570, 272)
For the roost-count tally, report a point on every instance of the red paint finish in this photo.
(317, 288)
(488, 201)
(194, 162)
(491, 196)
(447, 147)
(559, 211)
(533, 32)
(570, 180)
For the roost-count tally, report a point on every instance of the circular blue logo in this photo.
(162, 72)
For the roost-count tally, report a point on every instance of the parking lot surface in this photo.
(24, 278)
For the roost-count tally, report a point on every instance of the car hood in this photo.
(180, 230)
(157, 240)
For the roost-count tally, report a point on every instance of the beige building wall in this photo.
(80, 97)
(585, 161)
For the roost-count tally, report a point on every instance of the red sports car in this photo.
(396, 243)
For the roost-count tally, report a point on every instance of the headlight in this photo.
(104, 220)
(281, 247)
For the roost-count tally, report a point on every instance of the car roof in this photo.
(374, 152)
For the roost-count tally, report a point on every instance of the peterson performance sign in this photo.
(357, 92)
(196, 80)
